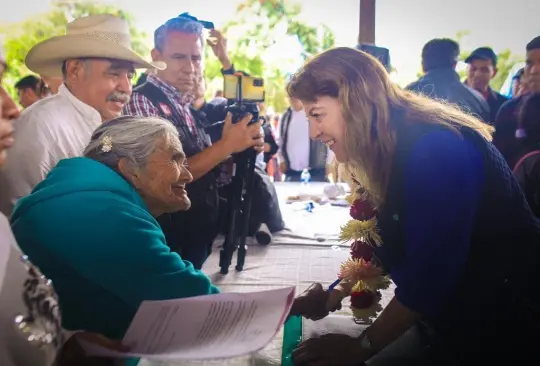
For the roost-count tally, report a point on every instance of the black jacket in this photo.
(270, 140)
(495, 101)
(445, 84)
(497, 295)
(528, 176)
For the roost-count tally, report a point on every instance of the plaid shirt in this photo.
(140, 105)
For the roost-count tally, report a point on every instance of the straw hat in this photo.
(100, 36)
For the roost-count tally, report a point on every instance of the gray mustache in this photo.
(118, 97)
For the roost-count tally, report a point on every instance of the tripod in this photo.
(238, 211)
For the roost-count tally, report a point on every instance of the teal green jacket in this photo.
(90, 232)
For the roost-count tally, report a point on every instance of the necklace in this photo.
(361, 276)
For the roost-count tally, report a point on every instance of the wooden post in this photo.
(367, 22)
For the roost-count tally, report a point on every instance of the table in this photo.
(308, 252)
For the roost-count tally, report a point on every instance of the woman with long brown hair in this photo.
(456, 234)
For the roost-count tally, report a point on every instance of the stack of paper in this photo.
(205, 327)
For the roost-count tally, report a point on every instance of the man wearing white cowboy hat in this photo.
(96, 62)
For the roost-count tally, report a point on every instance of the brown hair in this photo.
(368, 99)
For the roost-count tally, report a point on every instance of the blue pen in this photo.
(333, 285)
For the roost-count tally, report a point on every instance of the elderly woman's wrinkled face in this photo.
(327, 125)
(162, 183)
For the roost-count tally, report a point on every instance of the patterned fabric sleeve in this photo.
(41, 322)
(139, 105)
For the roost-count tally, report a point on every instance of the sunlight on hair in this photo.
(374, 109)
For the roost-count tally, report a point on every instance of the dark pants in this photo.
(191, 233)
(317, 175)
(417, 348)
(189, 248)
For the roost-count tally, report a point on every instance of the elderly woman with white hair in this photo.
(90, 226)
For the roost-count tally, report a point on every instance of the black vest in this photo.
(201, 222)
(498, 290)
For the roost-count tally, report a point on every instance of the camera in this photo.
(243, 94)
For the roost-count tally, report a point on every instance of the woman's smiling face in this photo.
(326, 124)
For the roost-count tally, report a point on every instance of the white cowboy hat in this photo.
(99, 36)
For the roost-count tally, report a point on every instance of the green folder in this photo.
(292, 336)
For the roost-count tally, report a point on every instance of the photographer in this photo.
(174, 94)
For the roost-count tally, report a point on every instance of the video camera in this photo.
(243, 94)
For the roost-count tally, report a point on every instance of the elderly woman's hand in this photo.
(72, 354)
(242, 135)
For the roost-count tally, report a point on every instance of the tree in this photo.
(256, 28)
(19, 38)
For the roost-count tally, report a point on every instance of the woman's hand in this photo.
(315, 303)
(334, 300)
(331, 350)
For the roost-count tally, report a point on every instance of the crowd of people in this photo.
(116, 193)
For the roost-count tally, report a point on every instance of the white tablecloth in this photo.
(308, 252)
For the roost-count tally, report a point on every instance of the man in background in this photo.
(176, 95)
(97, 75)
(28, 89)
(441, 81)
(507, 131)
(297, 151)
(482, 69)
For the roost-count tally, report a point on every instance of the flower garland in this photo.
(361, 276)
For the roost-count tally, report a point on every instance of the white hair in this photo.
(131, 138)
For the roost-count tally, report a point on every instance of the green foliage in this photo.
(20, 37)
(257, 26)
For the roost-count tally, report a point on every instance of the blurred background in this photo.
(272, 38)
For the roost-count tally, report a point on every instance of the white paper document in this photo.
(204, 327)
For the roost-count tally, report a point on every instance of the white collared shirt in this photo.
(298, 143)
(50, 130)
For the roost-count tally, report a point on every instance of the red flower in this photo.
(362, 210)
(361, 250)
(363, 299)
